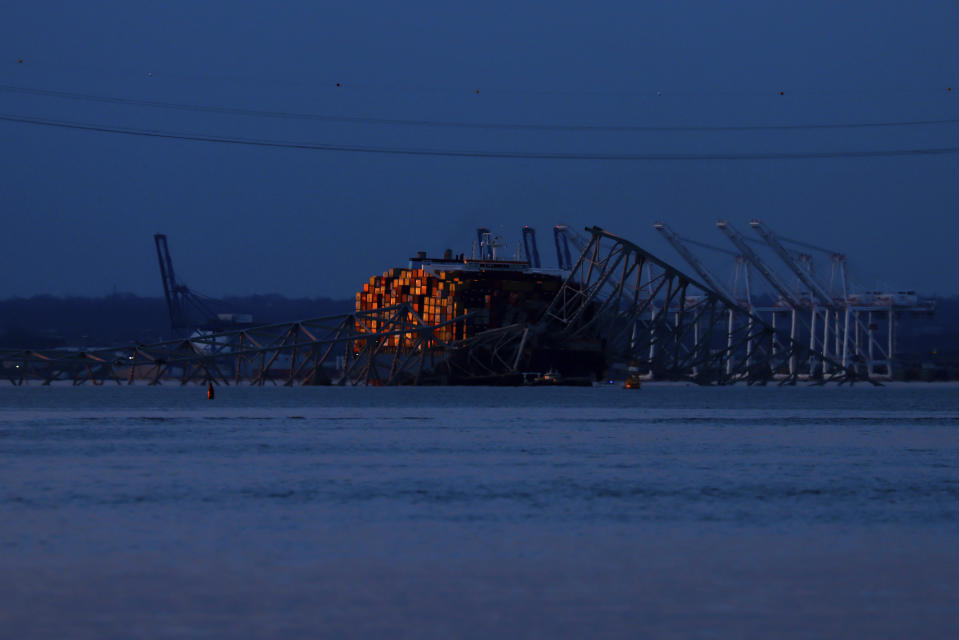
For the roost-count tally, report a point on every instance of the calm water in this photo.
(674, 511)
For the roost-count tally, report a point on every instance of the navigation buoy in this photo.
(209, 391)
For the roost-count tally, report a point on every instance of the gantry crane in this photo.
(529, 246)
(786, 295)
(805, 276)
(563, 236)
(831, 307)
(188, 309)
(183, 304)
(707, 276)
(847, 334)
(740, 243)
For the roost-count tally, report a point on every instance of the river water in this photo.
(674, 512)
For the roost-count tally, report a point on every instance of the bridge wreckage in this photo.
(483, 320)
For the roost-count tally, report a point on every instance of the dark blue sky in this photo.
(79, 208)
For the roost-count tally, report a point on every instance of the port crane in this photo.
(802, 268)
(771, 277)
(563, 236)
(847, 334)
(804, 273)
(529, 246)
(786, 295)
(188, 309)
(741, 286)
(745, 300)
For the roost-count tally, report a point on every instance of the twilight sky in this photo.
(78, 208)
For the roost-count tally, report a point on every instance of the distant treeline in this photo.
(48, 321)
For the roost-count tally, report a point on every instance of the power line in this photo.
(462, 153)
(512, 126)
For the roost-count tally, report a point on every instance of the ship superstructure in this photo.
(484, 293)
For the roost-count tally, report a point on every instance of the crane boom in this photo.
(180, 299)
(740, 243)
(690, 258)
(169, 280)
(804, 276)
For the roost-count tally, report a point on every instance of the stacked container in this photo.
(492, 298)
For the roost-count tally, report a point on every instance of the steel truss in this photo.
(340, 349)
(669, 326)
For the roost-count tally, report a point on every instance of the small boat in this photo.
(549, 378)
(632, 380)
(555, 378)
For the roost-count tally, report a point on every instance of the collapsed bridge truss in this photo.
(620, 300)
(333, 349)
(669, 326)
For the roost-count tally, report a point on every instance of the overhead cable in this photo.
(513, 126)
(476, 153)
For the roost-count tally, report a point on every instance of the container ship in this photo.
(463, 297)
